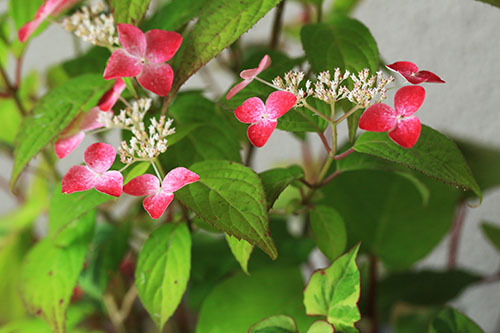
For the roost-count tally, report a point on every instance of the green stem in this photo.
(268, 84)
(334, 131)
(319, 8)
(308, 106)
(160, 168)
(13, 92)
(347, 114)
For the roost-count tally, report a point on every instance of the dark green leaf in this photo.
(230, 196)
(329, 231)
(434, 155)
(450, 320)
(241, 250)
(163, 269)
(52, 115)
(129, 11)
(495, 3)
(334, 292)
(492, 232)
(344, 7)
(276, 180)
(275, 324)
(174, 14)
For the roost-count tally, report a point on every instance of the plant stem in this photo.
(268, 84)
(307, 106)
(372, 295)
(249, 155)
(275, 34)
(319, 8)
(13, 92)
(347, 114)
(344, 154)
(334, 130)
(456, 231)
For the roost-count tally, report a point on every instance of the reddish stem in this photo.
(456, 232)
(344, 154)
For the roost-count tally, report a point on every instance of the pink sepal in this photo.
(132, 39)
(408, 100)
(278, 103)
(64, 146)
(162, 45)
(178, 178)
(250, 111)
(259, 133)
(378, 118)
(78, 178)
(264, 63)
(411, 73)
(121, 64)
(110, 97)
(99, 157)
(156, 204)
(406, 132)
(146, 184)
(157, 78)
(110, 183)
(237, 88)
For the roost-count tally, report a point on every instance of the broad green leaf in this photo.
(136, 171)
(329, 231)
(10, 121)
(22, 11)
(174, 14)
(321, 326)
(220, 24)
(345, 43)
(492, 232)
(434, 155)
(241, 250)
(495, 3)
(275, 324)
(230, 197)
(344, 7)
(265, 293)
(450, 320)
(52, 115)
(276, 180)
(181, 133)
(334, 292)
(388, 216)
(129, 11)
(304, 120)
(50, 272)
(162, 270)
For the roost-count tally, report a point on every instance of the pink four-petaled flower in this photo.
(264, 117)
(144, 56)
(98, 159)
(403, 127)
(50, 7)
(248, 75)
(411, 73)
(159, 197)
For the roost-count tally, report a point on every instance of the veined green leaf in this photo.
(329, 231)
(276, 180)
(129, 11)
(241, 250)
(275, 324)
(174, 14)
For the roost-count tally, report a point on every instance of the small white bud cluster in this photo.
(368, 89)
(93, 24)
(144, 144)
(329, 90)
(292, 84)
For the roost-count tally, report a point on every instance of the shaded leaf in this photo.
(174, 14)
(329, 231)
(492, 232)
(450, 320)
(276, 180)
(129, 11)
(275, 324)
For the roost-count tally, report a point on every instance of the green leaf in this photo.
(334, 292)
(492, 232)
(52, 115)
(434, 155)
(276, 180)
(329, 231)
(275, 324)
(388, 215)
(267, 292)
(230, 197)
(22, 11)
(162, 270)
(304, 120)
(50, 272)
(495, 3)
(450, 320)
(138, 170)
(345, 43)
(220, 24)
(344, 7)
(321, 326)
(174, 14)
(241, 250)
(129, 11)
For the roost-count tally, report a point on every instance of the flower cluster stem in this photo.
(347, 114)
(308, 106)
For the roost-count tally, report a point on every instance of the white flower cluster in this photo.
(93, 25)
(144, 144)
(366, 88)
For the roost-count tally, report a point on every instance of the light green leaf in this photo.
(50, 272)
(129, 11)
(450, 320)
(220, 24)
(136, 171)
(329, 231)
(304, 120)
(230, 197)
(241, 250)
(10, 120)
(434, 155)
(276, 180)
(344, 7)
(492, 232)
(163, 269)
(275, 324)
(334, 292)
(174, 14)
(52, 115)
(23, 11)
(321, 326)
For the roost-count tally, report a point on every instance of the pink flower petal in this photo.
(132, 39)
(78, 178)
(259, 133)
(406, 132)
(278, 103)
(250, 74)
(178, 178)
(408, 99)
(237, 88)
(429, 77)
(156, 204)
(89, 120)
(110, 97)
(251, 111)
(142, 185)
(404, 68)
(110, 183)
(378, 118)
(27, 30)
(162, 45)
(121, 64)
(99, 157)
(66, 145)
(157, 78)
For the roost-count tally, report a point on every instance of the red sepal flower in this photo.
(264, 117)
(144, 56)
(411, 73)
(110, 97)
(159, 197)
(403, 127)
(98, 159)
(248, 75)
(49, 7)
